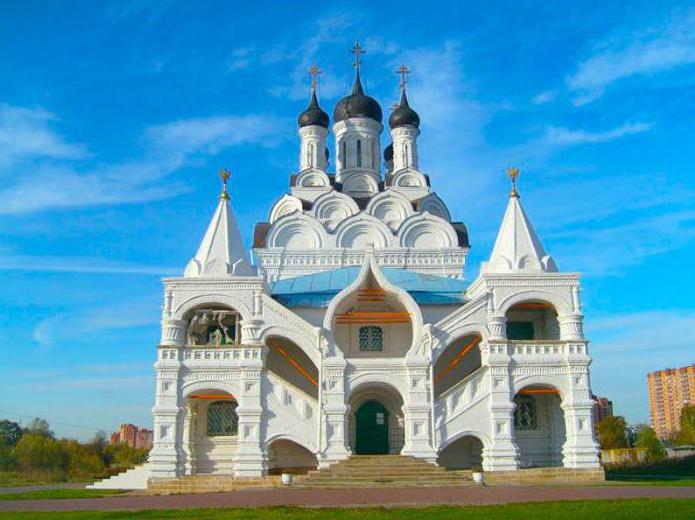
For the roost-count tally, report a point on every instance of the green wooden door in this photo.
(372, 429)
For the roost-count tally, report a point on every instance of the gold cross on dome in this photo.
(513, 173)
(314, 72)
(224, 174)
(403, 71)
(357, 50)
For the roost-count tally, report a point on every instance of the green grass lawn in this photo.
(610, 509)
(61, 493)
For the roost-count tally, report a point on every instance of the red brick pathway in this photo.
(353, 497)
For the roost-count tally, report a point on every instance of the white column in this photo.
(502, 452)
(580, 449)
(166, 457)
(250, 461)
(312, 152)
(335, 413)
(419, 437)
(571, 327)
(405, 153)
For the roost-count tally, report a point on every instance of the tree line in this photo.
(35, 452)
(613, 433)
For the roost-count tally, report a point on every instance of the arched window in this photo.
(359, 153)
(343, 154)
(371, 338)
(222, 418)
(525, 413)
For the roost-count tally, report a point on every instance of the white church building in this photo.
(355, 331)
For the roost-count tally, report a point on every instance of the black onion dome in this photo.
(404, 115)
(357, 104)
(388, 153)
(313, 115)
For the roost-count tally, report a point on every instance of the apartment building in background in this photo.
(133, 436)
(603, 407)
(669, 390)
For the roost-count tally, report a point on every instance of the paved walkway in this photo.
(352, 497)
(41, 487)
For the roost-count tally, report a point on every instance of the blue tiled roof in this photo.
(317, 290)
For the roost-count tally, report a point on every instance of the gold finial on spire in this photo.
(357, 50)
(403, 71)
(224, 174)
(314, 72)
(513, 173)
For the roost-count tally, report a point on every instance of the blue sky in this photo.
(115, 116)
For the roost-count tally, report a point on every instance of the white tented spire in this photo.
(221, 252)
(517, 248)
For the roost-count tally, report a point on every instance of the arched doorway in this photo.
(539, 426)
(376, 424)
(286, 456)
(372, 429)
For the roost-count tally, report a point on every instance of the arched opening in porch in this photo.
(532, 320)
(290, 363)
(376, 424)
(210, 432)
(459, 360)
(213, 325)
(464, 453)
(539, 426)
(286, 456)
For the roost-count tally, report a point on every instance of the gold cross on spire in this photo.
(357, 50)
(314, 72)
(224, 174)
(403, 71)
(513, 173)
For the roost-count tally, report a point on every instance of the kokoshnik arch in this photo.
(355, 332)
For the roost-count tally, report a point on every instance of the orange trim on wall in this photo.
(373, 317)
(296, 365)
(219, 397)
(531, 391)
(455, 361)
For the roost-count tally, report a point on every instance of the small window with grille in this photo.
(222, 418)
(525, 414)
(371, 339)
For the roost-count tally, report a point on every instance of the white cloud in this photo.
(544, 97)
(211, 134)
(606, 250)
(241, 59)
(124, 315)
(27, 133)
(555, 135)
(80, 265)
(640, 54)
(168, 147)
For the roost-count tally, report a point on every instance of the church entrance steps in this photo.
(363, 471)
(208, 484)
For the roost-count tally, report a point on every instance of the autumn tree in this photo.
(648, 441)
(612, 432)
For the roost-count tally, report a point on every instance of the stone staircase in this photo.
(369, 471)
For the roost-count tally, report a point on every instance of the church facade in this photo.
(355, 331)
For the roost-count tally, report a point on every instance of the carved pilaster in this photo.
(571, 327)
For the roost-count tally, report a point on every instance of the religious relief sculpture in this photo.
(213, 327)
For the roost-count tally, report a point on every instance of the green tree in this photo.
(8, 461)
(82, 461)
(612, 433)
(40, 426)
(647, 440)
(686, 434)
(38, 453)
(10, 432)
